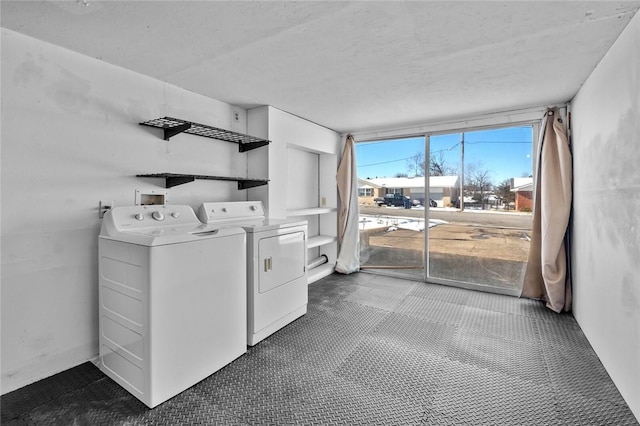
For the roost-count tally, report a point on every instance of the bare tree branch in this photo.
(415, 164)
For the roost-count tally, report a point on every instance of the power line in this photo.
(480, 142)
(385, 162)
(509, 142)
(444, 150)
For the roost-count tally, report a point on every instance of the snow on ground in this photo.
(393, 223)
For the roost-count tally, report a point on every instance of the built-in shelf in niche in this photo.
(321, 240)
(311, 211)
(173, 126)
(174, 179)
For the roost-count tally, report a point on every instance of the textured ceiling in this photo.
(346, 65)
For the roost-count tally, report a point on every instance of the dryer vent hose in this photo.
(314, 263)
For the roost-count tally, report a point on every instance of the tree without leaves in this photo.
(415, 164)
(504, 191)
(478, 181)
(438, 166)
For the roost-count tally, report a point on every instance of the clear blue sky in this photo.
(504, 153)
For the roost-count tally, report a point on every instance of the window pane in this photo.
(486, 241)
(392, 222)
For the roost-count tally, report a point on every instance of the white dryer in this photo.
(172, 299)
(277, 290)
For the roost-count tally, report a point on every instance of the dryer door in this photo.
(282, 260)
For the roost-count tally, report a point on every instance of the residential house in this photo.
(523, 189)
(443, 190)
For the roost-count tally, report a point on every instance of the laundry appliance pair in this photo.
(179, 299)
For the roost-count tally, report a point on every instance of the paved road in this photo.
(486, 218)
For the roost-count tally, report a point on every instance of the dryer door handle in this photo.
(267, 264)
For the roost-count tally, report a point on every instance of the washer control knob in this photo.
(157, 215)
(253, 208)
(175, 215)
(224, 209)
(139, 216)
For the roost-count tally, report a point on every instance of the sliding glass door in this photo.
(481, 235)
(469, 192)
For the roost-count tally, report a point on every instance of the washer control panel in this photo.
(153, 216)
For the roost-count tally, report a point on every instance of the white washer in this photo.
(277, 290)
(172, 307)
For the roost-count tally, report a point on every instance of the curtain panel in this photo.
(348, 234)
(547, 275)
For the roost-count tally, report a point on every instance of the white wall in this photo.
(70, 138)
(606, 225)
(303, 182)
(288, 131)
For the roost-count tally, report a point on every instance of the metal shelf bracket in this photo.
(170, 132)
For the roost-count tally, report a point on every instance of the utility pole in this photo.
(462, 172)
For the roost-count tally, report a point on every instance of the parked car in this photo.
(398, 200)
(379, 201)
(393, 200)
(420, 202)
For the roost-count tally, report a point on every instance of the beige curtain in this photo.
(348, 234)
(547, 276)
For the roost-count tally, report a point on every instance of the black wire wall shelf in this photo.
(174, 126)
(174, 179)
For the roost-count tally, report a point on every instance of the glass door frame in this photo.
(535, 124)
